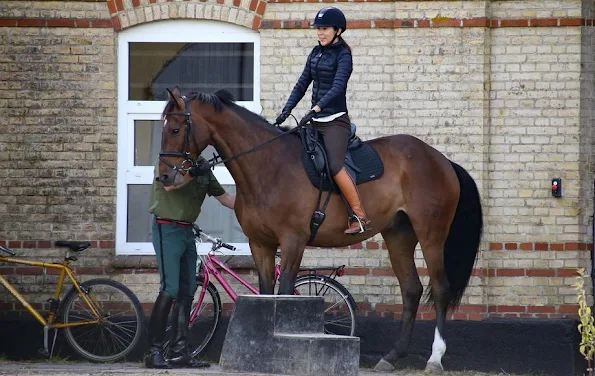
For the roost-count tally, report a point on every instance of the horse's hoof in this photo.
(384, 366)
(434, 367)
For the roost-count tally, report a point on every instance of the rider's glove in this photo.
(282, 117)
(306, 119)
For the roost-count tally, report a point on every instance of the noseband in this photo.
(188, 162)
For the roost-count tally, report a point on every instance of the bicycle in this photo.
(103, 320)
(206, 312)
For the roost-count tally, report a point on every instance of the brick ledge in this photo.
(438, 22)
(259, 23)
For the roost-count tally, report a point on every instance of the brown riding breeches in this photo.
(335, 135)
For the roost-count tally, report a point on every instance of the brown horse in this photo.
(421, 197)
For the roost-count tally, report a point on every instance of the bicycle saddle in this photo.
(72, 245)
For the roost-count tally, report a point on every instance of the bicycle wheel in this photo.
(120, 323)
(339, 311)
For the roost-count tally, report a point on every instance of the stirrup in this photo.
(364, 225)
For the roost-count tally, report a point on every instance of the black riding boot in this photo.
(179, 355)
(157, 325)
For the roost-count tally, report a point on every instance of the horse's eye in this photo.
(175, 131)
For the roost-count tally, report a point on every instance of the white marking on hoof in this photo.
(434, 367)
(438, 350)
(384, 366)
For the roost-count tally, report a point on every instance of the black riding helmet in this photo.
(330, 17)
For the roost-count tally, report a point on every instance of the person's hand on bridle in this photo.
(200, 168)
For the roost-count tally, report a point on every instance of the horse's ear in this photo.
(175, 96)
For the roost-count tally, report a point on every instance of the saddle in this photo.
(362, 162)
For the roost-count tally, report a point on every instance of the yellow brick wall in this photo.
(511, 102)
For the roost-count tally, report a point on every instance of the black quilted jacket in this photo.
(330, 68)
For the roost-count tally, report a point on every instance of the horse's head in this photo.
(192, 122)
(180, 146)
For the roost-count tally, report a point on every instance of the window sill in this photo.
(150, 262)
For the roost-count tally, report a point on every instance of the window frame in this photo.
(170, 31)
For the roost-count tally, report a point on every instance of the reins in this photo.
(213, 161)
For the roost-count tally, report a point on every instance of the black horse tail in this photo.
(462, 243)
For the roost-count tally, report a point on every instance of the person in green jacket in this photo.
(174, 212)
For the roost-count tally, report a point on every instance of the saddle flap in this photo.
(313, 148)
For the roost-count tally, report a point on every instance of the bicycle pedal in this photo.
(44, 352)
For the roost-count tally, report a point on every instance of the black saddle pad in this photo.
(364, 157)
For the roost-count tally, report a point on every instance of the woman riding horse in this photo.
(329, 65)
(422, 197)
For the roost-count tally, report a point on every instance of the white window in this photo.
(196, 55)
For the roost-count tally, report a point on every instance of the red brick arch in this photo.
(126, 14)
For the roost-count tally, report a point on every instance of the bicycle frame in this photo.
(64, 272)
(210, 264)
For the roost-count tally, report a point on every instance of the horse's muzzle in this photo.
(167, 179)
(174, 179)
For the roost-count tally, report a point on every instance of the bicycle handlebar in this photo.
(7, 251)
(216, 241)
(228, 246)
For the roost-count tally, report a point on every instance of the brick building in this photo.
(505, 88)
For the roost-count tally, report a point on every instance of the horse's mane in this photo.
(213, 99)
(223, 98)
(228, 100)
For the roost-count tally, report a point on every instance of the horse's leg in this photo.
(401, 241)
(292, 251)
(432, 238)
(440, 294)
(264, 259)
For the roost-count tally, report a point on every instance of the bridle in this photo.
(188, 162)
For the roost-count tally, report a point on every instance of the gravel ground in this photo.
(136, 369)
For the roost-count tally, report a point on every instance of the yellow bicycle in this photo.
(102, 319)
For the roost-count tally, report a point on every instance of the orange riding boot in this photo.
(360, 223)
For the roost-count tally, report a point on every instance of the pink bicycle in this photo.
(207, 309)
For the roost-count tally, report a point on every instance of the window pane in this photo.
(139, 218)
(214, 218)
(209, 152)
(217, 220)
(147, 141)
(198, 67)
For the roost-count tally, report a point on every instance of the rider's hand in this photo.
(282, 117)
(309, 116)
